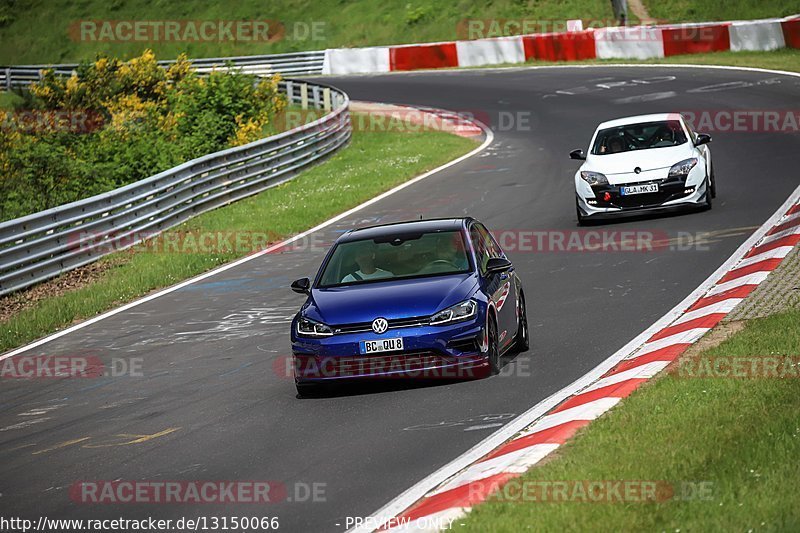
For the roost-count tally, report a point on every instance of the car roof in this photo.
(412, 226)
(638, 119)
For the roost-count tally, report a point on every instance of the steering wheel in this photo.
(432, 266)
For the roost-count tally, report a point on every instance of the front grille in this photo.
(393, 324)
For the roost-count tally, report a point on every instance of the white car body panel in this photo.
(653, 165)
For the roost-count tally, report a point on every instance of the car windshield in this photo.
(639, 137)
(398, 256)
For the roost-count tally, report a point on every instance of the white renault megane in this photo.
(643, 164)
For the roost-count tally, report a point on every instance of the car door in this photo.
(499, 287)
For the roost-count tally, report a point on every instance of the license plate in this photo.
(383, 345)
(638, 189)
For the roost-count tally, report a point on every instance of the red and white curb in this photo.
(633, 42)
(452, 491)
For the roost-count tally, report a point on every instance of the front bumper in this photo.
(429, 352)
(607, 202)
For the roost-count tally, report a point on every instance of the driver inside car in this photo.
(665, 137)
(450, 254)
(615, 145)
(365, 258)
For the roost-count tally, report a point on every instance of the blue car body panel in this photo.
(407, 304)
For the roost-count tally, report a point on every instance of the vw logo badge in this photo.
(380, 325)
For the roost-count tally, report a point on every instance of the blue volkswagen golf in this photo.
(422, 299)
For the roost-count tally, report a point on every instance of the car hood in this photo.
(389, 299)
(624, 163)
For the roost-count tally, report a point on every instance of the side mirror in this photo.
(302, 286)
(497, 265)
(702, 138)
(577, 154)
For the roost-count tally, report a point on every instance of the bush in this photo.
(150, 119)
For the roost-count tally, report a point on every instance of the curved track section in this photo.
(214, 403)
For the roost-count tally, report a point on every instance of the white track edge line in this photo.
(418, 491)
(488, 141)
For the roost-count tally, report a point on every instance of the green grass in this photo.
(702, 10)
(372, 163)
(38, 31)
(742, 436)
(10, 101)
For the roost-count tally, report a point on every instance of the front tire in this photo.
(523, 337)
(713, 184)
(709, 195)
(581, 218)
(493, 349)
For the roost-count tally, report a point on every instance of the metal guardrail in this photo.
(43, 245)
(291, 64)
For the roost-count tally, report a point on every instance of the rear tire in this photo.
(523, 342)
(494, 351)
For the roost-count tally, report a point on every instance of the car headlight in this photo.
(311, 328)
(594, 178)
(683, 168)
(462, 311)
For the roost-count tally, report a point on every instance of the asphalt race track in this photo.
(214, 403)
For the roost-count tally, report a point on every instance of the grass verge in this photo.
(708, 10)
(738, 437)
(374, 162)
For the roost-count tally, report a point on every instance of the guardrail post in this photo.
(315, 96)
(8, 79)
(326, 99)
(304, 96)
(290, 91)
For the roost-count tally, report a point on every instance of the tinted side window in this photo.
(491, 245)
(481, 251)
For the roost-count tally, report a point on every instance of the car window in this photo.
(692, 134)
(396, 257)
(661, 134)
(485, 246)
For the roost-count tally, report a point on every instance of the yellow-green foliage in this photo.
(142, 119)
